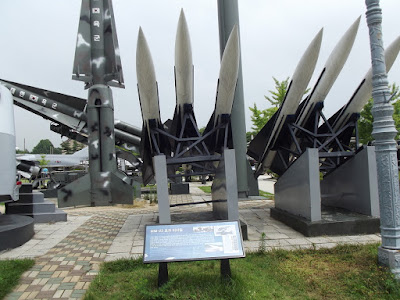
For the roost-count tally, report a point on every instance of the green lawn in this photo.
(206, 189)
(10, 272)
(344, 272)
(266, 194)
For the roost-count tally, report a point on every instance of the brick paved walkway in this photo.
(68, 254)
(66, 270)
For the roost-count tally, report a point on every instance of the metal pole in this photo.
(228, 16)
(384, 132)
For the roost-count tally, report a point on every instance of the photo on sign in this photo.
(214, 247)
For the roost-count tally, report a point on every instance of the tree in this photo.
(19, 151)
(45, 147)
(261, 117)
(66, 148)
(366, 119)
(43, 161)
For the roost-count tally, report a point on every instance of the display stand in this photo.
(346, 200)
(190, 147)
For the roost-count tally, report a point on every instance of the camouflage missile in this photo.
(297, 86)
(226, 87)
(364, 90)
(98, 64)
(183, 81)
(328, 76)
(67, 110)
(97, 56)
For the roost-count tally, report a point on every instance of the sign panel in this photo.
(194, 241)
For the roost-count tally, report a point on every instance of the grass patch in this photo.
(206, 189)
(10, 272)
(344, 272)
(266, 194)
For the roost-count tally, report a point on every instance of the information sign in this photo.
(194, 241)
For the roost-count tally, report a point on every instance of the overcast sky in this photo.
(38, 44)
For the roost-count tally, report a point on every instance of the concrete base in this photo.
(178, 188)
(224, 189)
(354, 185)
(15, 231)
(334, 221)
(391, 259)
(33, 205)
(297, 191)
(77, 193)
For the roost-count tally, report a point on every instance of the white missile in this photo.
(330, 72)
(297, 87)
(148, 97)
(8, 188)
(364, 90)
(228, 76)
(147, 83)
(183, 83)
(183, 64)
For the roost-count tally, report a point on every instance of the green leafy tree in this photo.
(261, 117)
(366, 119)
(43, 147)
(18, 151)
(76, 146)
(278, 95)
(43, 161)
(66, 148)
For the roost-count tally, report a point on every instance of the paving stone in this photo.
(68, 259)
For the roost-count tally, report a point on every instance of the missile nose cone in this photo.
(228, 74)
(391, 53)
(146, 77)
(183, 63)
(144, 62)
(336, 61)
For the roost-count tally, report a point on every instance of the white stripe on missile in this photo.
(228, 75)
(361, 96)
(183, 63)
(146, 77)
(332, 69)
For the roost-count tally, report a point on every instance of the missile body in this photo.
(364, 91)
(228, 76)
(8, 190)
(328, 76)
(128, 128)
(98, 64)
(298, 85)
(49, 105)
(148, 97)
(183, 83)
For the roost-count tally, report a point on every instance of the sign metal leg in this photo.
(225, 269)
(162, 274)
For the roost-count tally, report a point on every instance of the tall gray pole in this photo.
(384, 132)
(228, 16)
